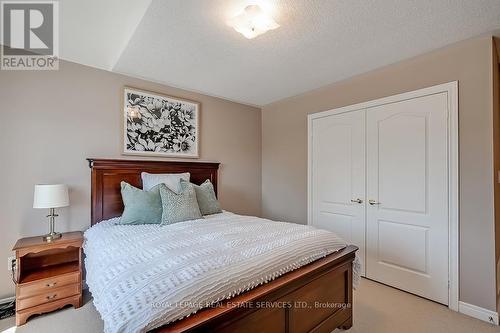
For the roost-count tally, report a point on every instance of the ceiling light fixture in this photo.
(252, 22)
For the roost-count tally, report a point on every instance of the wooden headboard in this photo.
(106, 199)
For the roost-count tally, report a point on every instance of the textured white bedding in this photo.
(144, 276)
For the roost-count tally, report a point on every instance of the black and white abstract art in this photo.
(157, 125)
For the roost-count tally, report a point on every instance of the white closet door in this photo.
(407, 222)
(338, 176)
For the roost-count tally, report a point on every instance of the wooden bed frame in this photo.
(314, 298)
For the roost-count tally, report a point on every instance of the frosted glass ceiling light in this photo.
(252, 22)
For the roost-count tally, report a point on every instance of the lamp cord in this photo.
(13, 267)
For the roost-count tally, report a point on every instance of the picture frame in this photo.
(159, 125)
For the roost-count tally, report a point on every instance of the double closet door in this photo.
(379, 179)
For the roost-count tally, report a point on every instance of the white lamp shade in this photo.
(51, 196)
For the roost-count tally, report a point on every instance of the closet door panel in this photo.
(407, 222)
(338, 176)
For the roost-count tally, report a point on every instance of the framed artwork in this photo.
(159, 125)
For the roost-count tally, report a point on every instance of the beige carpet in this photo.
(377, 308)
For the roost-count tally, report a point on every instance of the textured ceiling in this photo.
(187, 44)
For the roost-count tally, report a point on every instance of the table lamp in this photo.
(51, 197)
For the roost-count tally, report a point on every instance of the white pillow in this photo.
(172, 180)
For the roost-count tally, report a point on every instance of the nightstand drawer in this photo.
(48, 296)
(46, 285)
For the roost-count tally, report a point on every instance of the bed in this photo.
(297, 292)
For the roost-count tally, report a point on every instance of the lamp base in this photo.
(52, 236)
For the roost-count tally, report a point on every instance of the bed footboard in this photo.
(313, 298)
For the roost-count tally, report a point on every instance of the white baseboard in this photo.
(479, 313)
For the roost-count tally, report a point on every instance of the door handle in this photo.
(358, 200)
(373, 202)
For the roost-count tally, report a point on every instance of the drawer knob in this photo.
(52, 296)
(51, 284)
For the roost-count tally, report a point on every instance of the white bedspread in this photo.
(145, 276)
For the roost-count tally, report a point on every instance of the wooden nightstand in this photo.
(49, 275)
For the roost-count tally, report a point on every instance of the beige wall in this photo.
(51, 121)
(496, 149)
(284, 148)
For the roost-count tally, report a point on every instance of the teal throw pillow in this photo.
(141, 207)
(205, 195)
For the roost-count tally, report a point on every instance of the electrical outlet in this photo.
(9, 262)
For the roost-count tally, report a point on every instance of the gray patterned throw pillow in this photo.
(205, 194)
(178, 207)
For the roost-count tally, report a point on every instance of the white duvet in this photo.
(145, 276)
